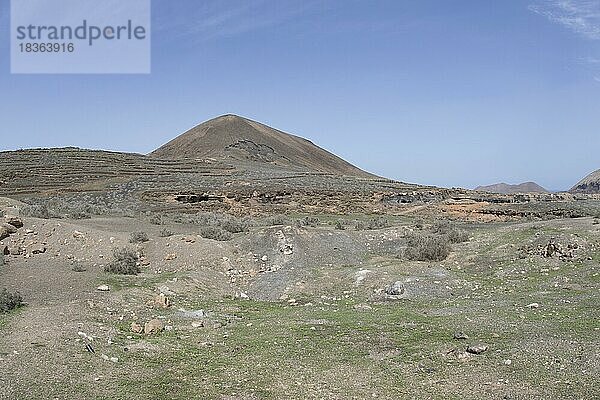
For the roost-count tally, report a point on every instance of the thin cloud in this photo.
(589, 60)
(217, 19)
(580, 16)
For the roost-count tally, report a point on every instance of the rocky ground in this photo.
(310, 305)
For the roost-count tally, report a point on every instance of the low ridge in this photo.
(589, 184)
(504, 188)
(235, 137)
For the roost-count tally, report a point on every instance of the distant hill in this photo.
(504, 188)
(238, 138)
(589, 184)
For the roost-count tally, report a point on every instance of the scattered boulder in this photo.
(362, 307)
(38, 249)
(111, 359)
(103, 288)
(564, 253)
(395, 289)
(287, 249)
(477, 348)
(13, 220)
(360, 276)
(196, 314)
(165, 290)
(136, 328)
(242, 295)
(460, 335)
(153, 326)
(462, 356)
(162, 301)
(284, 244)
(551, 248)
(6, 251)
(4, 233)
(85, 336)
(197, 324)
(533, 305)
(170, 257)
(9, 228)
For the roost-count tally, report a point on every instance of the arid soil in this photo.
(301, 306)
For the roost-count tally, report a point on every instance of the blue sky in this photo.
(449, 93)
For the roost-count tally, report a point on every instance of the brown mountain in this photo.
(589, 184)
(238, 138)
(504, 188)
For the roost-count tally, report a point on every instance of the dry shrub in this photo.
(308, 221)
(278, 220)
(165, 233)
(125, 262)
(427, 247)
(215, 233)
(35, 211)
(454, 234)
(235, 225)
(138, 237)
(9, 301)
(372, 224)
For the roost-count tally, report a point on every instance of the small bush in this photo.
(9, 301)
(454, 234)
(156, 219)
(340, 225)
(427, 247)
(125, 262)
(180, 219)
(457, 236)
(372, 224)
(138, 237)
(78, 267)
(165, 233)
(235, 225)
(308, 221)
(207, 218)
(35, 211)
(441, 227)
(79, 215)
(215, 233)
(278, 220)
(2, 260)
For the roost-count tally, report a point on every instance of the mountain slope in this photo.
(234, 137)
(589, 184)
(504, 188)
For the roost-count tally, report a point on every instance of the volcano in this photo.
(234, 137)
